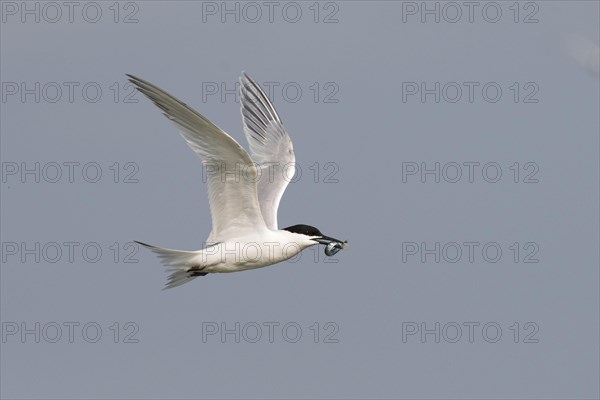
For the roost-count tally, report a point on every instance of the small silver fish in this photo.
(332, 248)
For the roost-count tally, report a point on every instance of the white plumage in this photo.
(244, 192)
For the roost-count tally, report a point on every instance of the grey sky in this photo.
(349, 90)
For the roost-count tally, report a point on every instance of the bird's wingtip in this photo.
(245, 76)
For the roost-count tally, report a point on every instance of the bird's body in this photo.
(244, 192)
(241, 253)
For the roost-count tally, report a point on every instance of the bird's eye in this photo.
(332, 248)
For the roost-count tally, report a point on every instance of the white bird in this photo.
(244, 192)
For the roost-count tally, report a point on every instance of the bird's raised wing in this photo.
(270, 145)
(230, 171)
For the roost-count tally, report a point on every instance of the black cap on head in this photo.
(304, 230)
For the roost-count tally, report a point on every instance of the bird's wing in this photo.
(231, 173)
(270, 145)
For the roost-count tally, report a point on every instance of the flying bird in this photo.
(244, 191)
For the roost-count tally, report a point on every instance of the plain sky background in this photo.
(362, 58)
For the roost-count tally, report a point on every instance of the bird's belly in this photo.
(242, 255)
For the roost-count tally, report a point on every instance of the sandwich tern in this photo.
(243, 195)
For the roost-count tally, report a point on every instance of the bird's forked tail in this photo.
(179, 262)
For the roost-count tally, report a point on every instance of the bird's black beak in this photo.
(332, 246)
(326, 240)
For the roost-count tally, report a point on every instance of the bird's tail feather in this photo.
(179, 263)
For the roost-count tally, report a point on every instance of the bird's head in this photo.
(332, 245)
